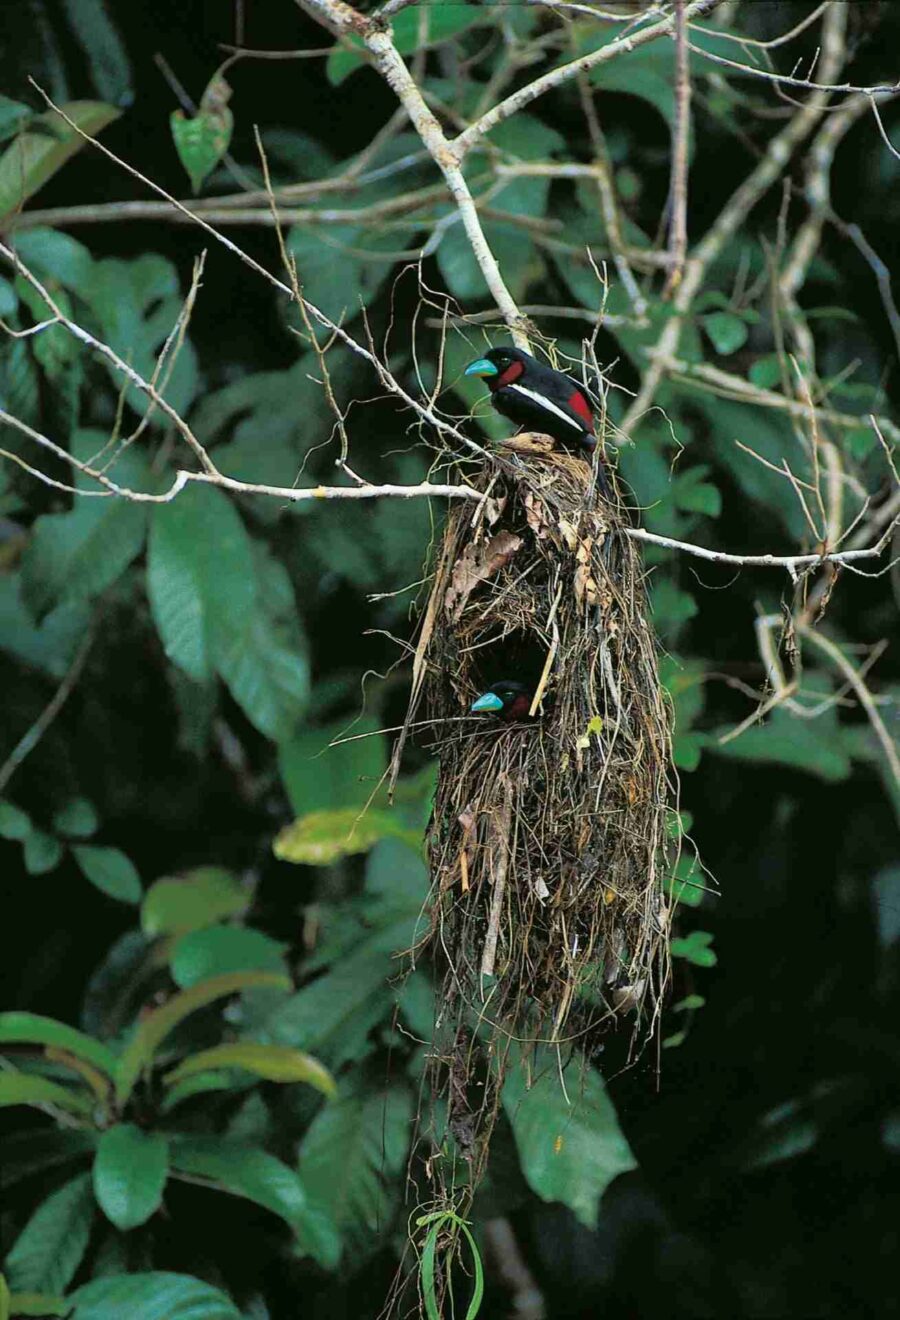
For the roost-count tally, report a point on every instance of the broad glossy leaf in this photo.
(215, 950)
(110, 870)
(78, 554)
(152, 1030)
(334, 1014)
(13, 116)
(95, 32)
(199, 577)
(57, 257)
(49, 1249)
(274, 1063)
(34, 157)
(18, 1088)
(349, 1154)
(175, 905)
(34, 1150)
(154, 1296)
(48, 647)
(130, 1171)
(33, 1029)
(810, 745)
(242, 1170)
(37, 1304)
(323, 836)
(319, 777)
(569, 1152)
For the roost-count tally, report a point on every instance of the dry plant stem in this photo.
(426, 414)
(425, 489)
(556, 77)
(501, 829)
(30, 740)
(105, 351)
(856, 681)
(734, 212)
(339, 17)
(730, 386)
(681, 142)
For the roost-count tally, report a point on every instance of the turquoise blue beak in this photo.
(490, 702)
(481, 368)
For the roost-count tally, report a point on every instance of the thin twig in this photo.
(680, 147)
(30, 740)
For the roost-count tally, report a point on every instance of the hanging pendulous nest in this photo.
(549, 840)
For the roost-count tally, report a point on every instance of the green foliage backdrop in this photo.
(211, 1065)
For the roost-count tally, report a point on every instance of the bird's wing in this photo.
(564, 413)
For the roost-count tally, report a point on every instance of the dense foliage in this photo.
(211, 1061)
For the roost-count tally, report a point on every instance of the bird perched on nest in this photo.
(537, 397)
(507, 699)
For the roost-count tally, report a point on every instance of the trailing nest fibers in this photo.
(549, 842)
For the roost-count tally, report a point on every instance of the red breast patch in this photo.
(512, 372)
(580, 406)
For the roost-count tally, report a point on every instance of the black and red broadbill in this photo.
(537, 397)
(506, 699)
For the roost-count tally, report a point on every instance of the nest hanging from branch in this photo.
(549, 843)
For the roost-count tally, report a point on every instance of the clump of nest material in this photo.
(549, 840)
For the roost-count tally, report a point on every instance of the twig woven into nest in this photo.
(549, 841)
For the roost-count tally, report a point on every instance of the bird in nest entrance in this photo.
(537, 397)
(506, 699)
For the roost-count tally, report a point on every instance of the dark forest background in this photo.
(766, 1134)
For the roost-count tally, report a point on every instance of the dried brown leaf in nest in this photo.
(549, 844)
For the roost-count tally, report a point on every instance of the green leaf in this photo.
(810, 745)
(155, 1296)
(130, 1171)
(442, 1224)
(324, 836)
(138, 302)
(42, 853)
(57, 257)
(49, 647)
(218, 605)
(110, 870)
(77, 819)
(695, 948)
(727, 331)
(349, 1156)
(199, 577)
(33, 1029)
(201, 142)
(318, 777)
(35, 1150)
(886, 899)
(274, 1063)
(242, 1170)
(441, 23)
(14, 822)
(18, 1088)
(49, 1249)
(152, 1030)
(175, 905)
(215, 950)
(101, 43)
(766, 372)
(686, 882)
(77, 555)
(334, 1014)
(13, 116)
(38, 1304)
(569, 1152)
(34, 157)
(4, 1299)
